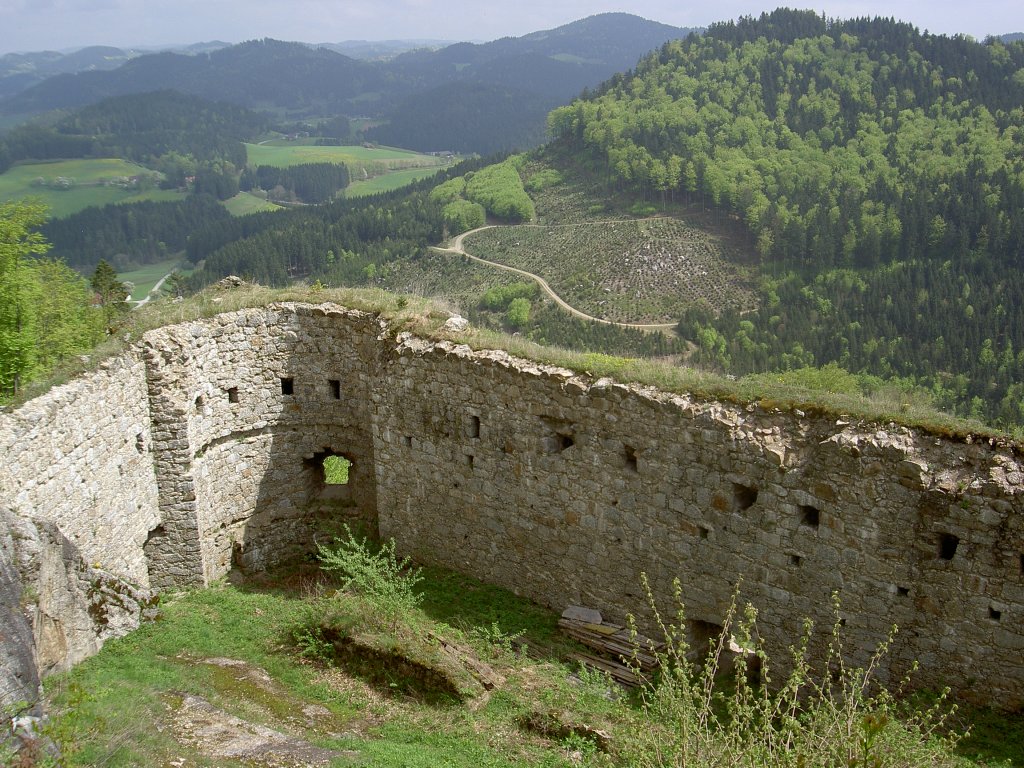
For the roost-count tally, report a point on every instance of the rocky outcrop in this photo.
(57, 609)
(19, 676)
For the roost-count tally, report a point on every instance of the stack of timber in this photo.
(621, 655)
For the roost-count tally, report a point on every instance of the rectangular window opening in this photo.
(407, 441)
(795, 560)
(335, 385)
(469, 460)
(810, 516)
(474, 426)
(948, 544)
(995, 614)
(336, 469)
(287, 386)
(232, 394)
(629, 453)
(703, 532)
(903, 591)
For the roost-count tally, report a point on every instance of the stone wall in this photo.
(561, 488)
(80, 457)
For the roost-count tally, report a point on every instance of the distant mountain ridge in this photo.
(548, 67)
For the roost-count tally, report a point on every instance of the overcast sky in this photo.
(32, 25)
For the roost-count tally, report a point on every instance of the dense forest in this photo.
(164, 130)
(129, 235)
(307, 183)
(878, 170)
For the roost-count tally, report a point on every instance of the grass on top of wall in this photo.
(425, 317)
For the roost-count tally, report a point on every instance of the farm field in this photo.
(387, 182)
(288, 153)
(626, 271)
(145, 278)
(88, 189)
(245, 203)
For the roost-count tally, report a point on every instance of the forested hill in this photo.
(880, 173)
(164, 130)
(542, 70)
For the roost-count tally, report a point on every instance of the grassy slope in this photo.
(117, 708)
(245, 203)
(282, 156)
(17, 183)
(387, 182)
(145, 278)
(118, 705)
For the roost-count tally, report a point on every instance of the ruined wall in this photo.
(252, 402)
(556, 486)
(80, 457)
(566, 489)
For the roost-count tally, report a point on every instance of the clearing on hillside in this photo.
(626, 271)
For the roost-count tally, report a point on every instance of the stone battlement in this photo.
(201, 449)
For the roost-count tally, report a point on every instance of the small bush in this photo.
(377, 575)
(839, 719)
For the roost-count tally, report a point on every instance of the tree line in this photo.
(307, 182)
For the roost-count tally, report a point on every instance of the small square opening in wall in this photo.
(948, 544)
(335, 387)
(810, 516)
(744, 496)
(903, 591)
(995, 614)
(336, 469)
(407, 441)
(287, 386)
(795, 560)
(232, 394)
(703, 532)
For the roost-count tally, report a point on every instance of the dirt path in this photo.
(155, 289)
(669, 329)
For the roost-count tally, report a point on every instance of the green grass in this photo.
(17, 183)
(145, 278)
(283, 156)
(388, 181)
(117, 708)
(245, 203)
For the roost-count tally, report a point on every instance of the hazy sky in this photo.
(32, 25)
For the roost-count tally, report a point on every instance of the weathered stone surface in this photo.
(199, 450)
(19, 677)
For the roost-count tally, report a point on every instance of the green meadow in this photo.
(282, 154)
(245, 203)
(388, 181)
(88, 188)
(144, 279)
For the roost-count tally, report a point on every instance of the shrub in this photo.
(838, 719)
(377, 575)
